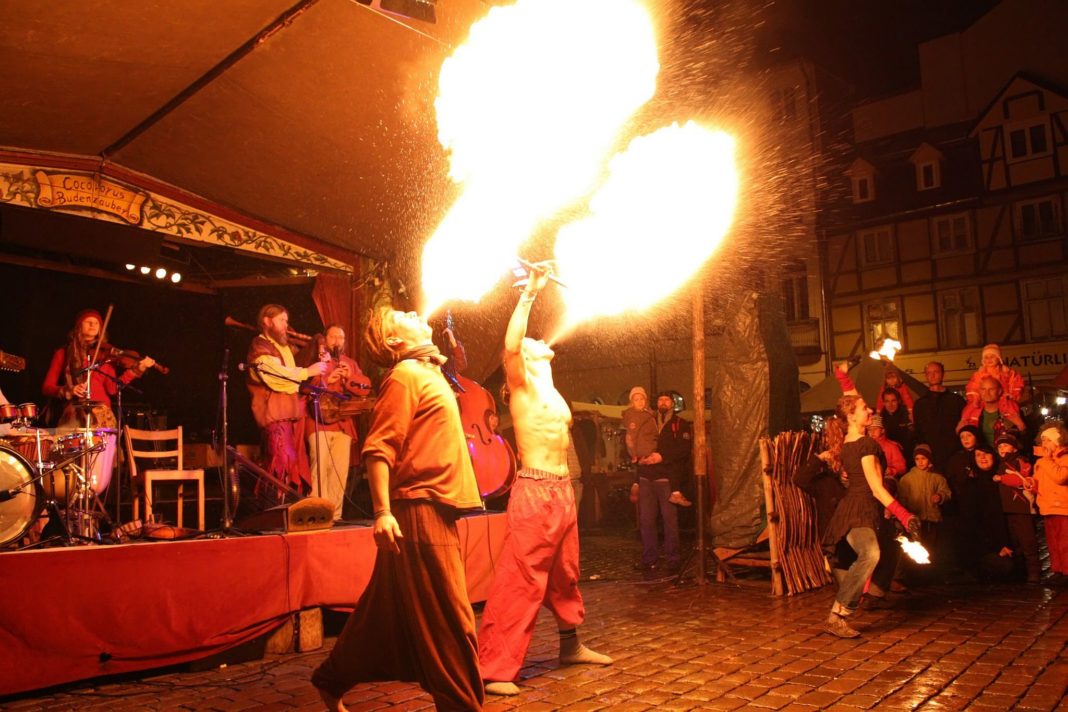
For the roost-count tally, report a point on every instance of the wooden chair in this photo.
(146, 478)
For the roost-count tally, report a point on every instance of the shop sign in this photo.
(80, 190)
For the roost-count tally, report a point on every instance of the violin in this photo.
(126, 358)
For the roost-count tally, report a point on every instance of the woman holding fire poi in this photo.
(858, 517)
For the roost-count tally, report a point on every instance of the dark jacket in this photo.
(675, 445)
(824, 486)
(936, 416)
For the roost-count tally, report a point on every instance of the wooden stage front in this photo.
(75, 613)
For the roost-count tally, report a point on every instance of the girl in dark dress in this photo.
(855, 456)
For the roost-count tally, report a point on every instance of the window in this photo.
(928, 176)
(1046, 308)
(876, 247)
(883, 321)
(958, 317)
(1038, 218)
(1028, 142)
(863, 189)
(785, 103)
(952, 233)
(795, 296)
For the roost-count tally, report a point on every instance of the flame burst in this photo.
(528, 108)
(667, 203)
(915, 550)
(888, 350)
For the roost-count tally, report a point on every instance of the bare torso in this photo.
(542, 424)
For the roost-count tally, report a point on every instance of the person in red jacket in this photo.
(69, 380)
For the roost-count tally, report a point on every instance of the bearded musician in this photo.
(330, 460)
(274, 382)
(66, 377)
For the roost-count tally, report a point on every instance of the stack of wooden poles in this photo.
(796, 557)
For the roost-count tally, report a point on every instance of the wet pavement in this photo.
(689, 647)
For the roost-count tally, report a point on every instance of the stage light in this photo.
(146, 270)
(176, 278)
(1061, 400)
(131, 267)
(160, 273)
(1044, 411)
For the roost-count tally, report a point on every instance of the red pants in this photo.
(539, 565)
(1057, 542)
(284, 457)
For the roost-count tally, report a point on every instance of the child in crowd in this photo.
(1011, 381)
(892, 381)
(1051, 483)
(924, 491)
(1017, 502)
(639, 425)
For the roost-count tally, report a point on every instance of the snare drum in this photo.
(18, 513)
(100, 462)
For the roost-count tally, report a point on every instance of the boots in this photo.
(836, 622)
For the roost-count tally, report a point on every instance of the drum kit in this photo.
(60, 475)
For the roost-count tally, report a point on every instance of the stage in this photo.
(75, 613)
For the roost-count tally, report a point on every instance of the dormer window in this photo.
(928, 163)
(862, 176)
(1028, 141)
(863, 190)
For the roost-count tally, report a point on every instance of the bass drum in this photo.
(17, 514)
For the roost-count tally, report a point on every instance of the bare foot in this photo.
(333, 704)
(504, 689)
(584, 656)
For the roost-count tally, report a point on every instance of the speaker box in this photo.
(308, 514)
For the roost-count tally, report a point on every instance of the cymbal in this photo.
(88, 404)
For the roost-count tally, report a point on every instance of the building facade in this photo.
(948, 232)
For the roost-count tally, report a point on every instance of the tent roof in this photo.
(867, 374)
(313, 115)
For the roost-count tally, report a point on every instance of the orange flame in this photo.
(888, 350)
(528, 107)
(915, 550)
(666, 205)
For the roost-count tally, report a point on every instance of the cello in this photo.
(492, 457)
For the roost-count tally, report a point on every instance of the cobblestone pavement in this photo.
(715, 647)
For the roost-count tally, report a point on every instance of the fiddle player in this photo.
(540, 561)
(274, 382)
(344, 376)
(66, 377)
(414, 621)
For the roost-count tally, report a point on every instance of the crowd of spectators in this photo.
(985, 496)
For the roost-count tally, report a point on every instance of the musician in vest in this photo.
(336, 429)
(273, 383)
(414, 621)
(539, 564)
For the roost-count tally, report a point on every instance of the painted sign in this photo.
(109, 200)
(77, 190)
(1038, 362)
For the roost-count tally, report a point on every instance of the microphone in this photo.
(247, 367)
(226, 359)
(5, 495)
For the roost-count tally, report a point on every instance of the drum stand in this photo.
(62, 518)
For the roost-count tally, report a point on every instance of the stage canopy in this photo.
(307, 123)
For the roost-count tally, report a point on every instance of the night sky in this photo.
(869, 43)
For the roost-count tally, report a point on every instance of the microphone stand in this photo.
(224, 378)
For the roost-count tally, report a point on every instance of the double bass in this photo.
(492, 457)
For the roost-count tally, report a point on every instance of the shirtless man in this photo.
(540, 561)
